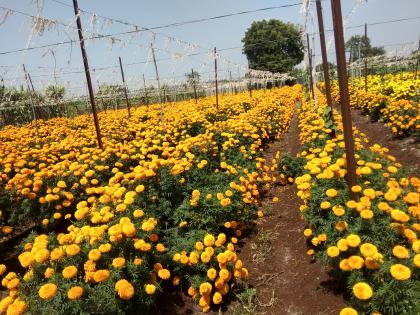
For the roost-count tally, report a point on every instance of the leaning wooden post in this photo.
(87, 73)
(366, 40)
(215, 77)
(194, 86)
(158, 82)
(344, 95)
(145, 91)
(325, 62)
(125, 88)
(32, 102)
(311, 82)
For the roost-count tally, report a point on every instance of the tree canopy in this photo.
(273, 45)
(360, 47)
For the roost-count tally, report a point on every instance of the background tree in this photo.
(360, 47)
(273, 45)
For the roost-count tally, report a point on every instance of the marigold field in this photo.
(163, 206)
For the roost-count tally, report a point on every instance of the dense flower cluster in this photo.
(392, 98)
(371, 243)
(162, 205)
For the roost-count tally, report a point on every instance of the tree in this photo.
(360, 47)
(273, 45)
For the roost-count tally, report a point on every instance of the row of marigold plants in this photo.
(371, 245)
(392, 99)
(161, 208)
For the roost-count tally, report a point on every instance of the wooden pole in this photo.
(325, 62)
(125, 88)
(195, 88)
(215, 76)
(366, 40)
(311, 82)
(87, 73)
(158, 82)
(344, 95)
(145, 91)
(31, 90)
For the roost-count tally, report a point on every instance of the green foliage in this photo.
(291, 166)
(273, 45)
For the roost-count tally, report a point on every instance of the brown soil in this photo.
(286, 279)
(406, 151)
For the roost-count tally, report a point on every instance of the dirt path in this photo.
(406, 151)
(285, 278)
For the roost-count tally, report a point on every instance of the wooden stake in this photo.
(325, 62)
(344, 95)
(125, 88)
(31, 90)
(87, 73)
(311, 82)
(158, 82)
(215, 76)
(366, 39)
(195, 88)
(145, 91)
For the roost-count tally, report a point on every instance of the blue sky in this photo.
(171, 54)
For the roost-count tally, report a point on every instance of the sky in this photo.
(62, 64)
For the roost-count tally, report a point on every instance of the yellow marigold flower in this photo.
(42, 255)
(205, 288)
(217, 298)
(26, 259)
(72, 250)
(400, 252)
(101, 275)
(104, 248)
(342, 245)
(139, 188)
(69, 272)
(412, 198)
(307, 232)
(209, 240)
(4, 304)
(416, 260)
(331, 192)
(400, 216)
(95, 254)
(150, 289)
(338, 211)
(368, 250)
(400, 272)
(366, 214)
(333, 251)
(212, 274)
(47, 291)
(351, 204)
(49, 272)
(2, 269)
(75, 293)
(164, 274)
(124, 289)
(353, 240)
(325, 205)
(118, 262)
(362, 291)
(205, 257)
(348, 311)
(344, 265)
(356, 188)
(355, 262)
